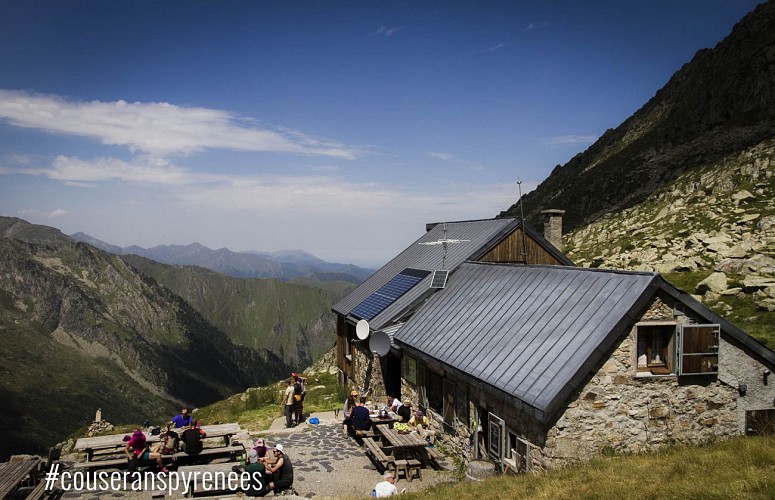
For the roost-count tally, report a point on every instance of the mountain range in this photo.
(283, 264)
(82, 329)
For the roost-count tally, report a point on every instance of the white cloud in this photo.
(53, 214)
(561, 140)
(494, 47)
(441, 156)
(535, 26)
(450, 158)
(158, 128)
(386, 31)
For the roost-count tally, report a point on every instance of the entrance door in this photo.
(392, 376)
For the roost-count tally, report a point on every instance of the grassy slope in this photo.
(739, 468)
(256, 408)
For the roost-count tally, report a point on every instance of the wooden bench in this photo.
(365, 434)
(231, 451)
(378, 455)
(13, 475)
(113, 443)
(38, 492)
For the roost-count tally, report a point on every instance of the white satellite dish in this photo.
(362, 329)
(380, 343)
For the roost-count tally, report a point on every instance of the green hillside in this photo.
(293, 320)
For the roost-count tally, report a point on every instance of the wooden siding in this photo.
(343, 332)
(509, 250)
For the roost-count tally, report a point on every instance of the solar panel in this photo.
(388, 293)
(439, 279)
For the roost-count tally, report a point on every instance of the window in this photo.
(348, 350)
(656, 348)
(461, 404)
(496, 427)
(435, 392)
(517, 453)
(449, 404)
(699, 349)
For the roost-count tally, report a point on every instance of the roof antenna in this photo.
(523, 254)
(439, 279)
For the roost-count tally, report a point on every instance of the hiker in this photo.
(299, 391)
(282, 471)
(182, 419)
(349, 404)
(420, 425)
(138, 452)
(360, 416)
(386, 488)
(192, 438)
(258, 476)
(405, 411)
(287, 403)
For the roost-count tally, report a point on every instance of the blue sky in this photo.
(339, 128)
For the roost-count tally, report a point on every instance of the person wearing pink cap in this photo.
(139, 453)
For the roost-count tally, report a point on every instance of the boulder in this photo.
(715, 283)
(753, 283)
(741, 195)
(766, 223)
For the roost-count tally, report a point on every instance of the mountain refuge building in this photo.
(538, 364)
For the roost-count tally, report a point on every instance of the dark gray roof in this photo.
(527, 330)
(479, 236)
(536, 332)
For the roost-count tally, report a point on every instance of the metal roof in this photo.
(476, 237)
(531, 331)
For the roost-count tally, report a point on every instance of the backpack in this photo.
(170, 443)
(298, 393)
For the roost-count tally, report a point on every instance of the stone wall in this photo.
(368, 372)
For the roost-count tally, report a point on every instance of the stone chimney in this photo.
(553, 227)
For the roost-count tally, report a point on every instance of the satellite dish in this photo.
(380, 343)
(362, 329)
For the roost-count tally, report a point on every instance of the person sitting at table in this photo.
(349, 404)
(139, 453)
(182, 419)
(405, 411)
(420, 425)
(360, 416)
(192, 438)
(392, 403)
(386, 488)
(282, 471)
(259, 479)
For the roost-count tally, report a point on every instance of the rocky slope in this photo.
(711, 232)
(719, 104)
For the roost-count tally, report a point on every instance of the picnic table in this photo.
(13, 474)
(408, 446)
(114, 442)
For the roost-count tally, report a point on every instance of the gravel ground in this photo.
(325, 464)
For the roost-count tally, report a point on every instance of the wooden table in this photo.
(389, 420)
(406, 446)
(12, 474)
(114, 442)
